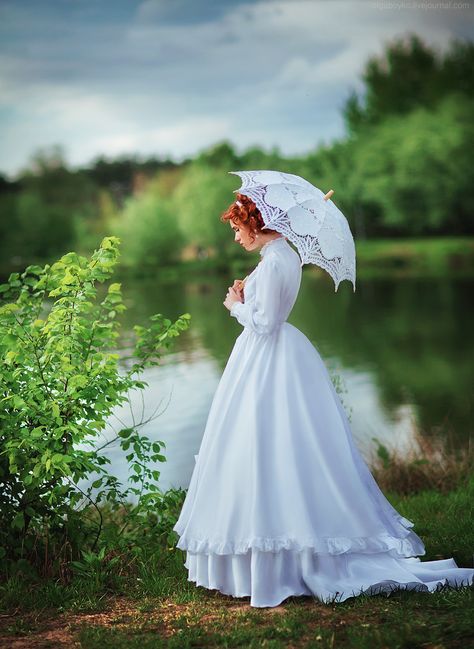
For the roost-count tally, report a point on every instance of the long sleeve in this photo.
(262, 314)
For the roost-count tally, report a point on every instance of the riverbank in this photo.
(424, 257)
(375, 257)
(151, 604)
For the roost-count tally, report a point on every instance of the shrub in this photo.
(60, 381)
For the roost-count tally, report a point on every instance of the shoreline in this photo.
(428, 256)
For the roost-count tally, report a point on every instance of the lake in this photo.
(400, 349)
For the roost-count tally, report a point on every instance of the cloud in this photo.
(184, 12)
(172, 139)
(274, 72)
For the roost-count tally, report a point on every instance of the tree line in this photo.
(403, 168)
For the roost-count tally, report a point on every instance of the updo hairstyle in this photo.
(247, 215)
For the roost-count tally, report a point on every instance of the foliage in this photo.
(417, 170)
(60, 382)
(150, 226)
(42, 210)
(202, 195)
(409, 75)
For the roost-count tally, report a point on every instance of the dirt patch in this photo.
(49, 629)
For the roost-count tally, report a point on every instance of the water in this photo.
(402, 348)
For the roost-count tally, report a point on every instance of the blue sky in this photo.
(171, 77)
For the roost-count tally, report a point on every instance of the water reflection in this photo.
(400, 347)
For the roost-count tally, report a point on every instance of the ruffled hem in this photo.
(269, 578)
(409, 546)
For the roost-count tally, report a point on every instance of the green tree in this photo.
(220, 155)
(150, 227)
(202, 195)
(417, 170)
(408, 75)
(42, 220)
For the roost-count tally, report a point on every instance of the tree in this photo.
(150, 227)
(202, 195)
(409, 75)
(418, 171)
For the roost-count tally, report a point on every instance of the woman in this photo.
(280, 502)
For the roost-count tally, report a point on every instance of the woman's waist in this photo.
(275, 328)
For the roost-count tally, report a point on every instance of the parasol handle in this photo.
(242, 282)
(329, 194)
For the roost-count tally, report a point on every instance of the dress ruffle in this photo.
(407, 546)
(270, 578)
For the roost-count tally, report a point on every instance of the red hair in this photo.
(247, 215)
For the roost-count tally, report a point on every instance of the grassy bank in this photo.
(375, 257)
(435, 255)
(151, 603)
(425, 256)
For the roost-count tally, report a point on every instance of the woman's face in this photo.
(243, 237)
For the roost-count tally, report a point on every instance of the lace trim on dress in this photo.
(266, 245)
(409, 546)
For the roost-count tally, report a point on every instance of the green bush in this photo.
(60, 381)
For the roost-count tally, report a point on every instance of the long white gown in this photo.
(280, 501)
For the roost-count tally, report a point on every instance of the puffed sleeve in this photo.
(262, 314)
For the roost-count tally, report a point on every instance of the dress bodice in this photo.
(271, 289)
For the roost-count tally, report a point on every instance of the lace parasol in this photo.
(300, 211)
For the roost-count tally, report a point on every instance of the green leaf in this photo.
(9, 340)
(18, 402)
(115, 287)
(10, 357)
(19, 521)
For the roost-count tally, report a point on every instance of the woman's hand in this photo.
(234, 294)
(238, 286)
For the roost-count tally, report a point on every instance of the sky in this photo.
(170, 78)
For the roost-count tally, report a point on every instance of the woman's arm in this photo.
(262, 315)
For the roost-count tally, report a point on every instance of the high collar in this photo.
(273, 242)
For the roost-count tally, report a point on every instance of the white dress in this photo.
(280, 501)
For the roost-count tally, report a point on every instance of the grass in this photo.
(427, 463)
(156, 606)
(443, 619)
